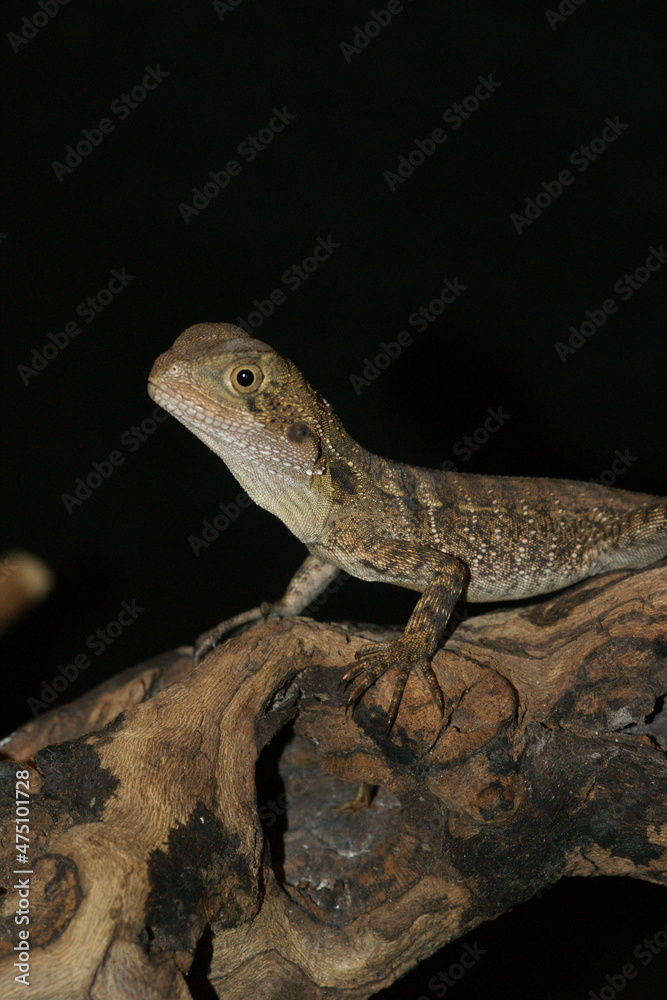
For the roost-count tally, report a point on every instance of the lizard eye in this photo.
(247, 378)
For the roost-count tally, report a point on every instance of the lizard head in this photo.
(254, 409)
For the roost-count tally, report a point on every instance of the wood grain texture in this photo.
(175, 805)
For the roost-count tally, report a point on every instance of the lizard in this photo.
(446, 535)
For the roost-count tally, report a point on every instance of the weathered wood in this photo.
(25, 580)
(145, 833)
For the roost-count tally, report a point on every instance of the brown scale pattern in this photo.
(442, 534)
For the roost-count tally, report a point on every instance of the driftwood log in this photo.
(176, 810)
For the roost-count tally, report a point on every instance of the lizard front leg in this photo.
(311, 578)
(422, 635)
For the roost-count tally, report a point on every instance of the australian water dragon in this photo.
(444, 534)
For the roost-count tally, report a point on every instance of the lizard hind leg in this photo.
(309, 581)
(207, 641)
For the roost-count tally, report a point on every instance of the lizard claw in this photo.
(375, 660)
(209, 640)
(362, 799)
(205, 642)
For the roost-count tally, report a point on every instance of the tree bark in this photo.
(177, 807)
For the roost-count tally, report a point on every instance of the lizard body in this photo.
(443, 534)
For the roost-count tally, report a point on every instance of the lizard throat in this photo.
(269, 470)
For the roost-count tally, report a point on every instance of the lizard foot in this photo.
(209, 640)
(375, 660)
(362, 798)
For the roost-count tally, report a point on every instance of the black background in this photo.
(323, 176)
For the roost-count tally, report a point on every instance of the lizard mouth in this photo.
(189, 413)
(153, 388)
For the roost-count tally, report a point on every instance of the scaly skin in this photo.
(446, 535)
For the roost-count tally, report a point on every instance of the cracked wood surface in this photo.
(161, 817)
